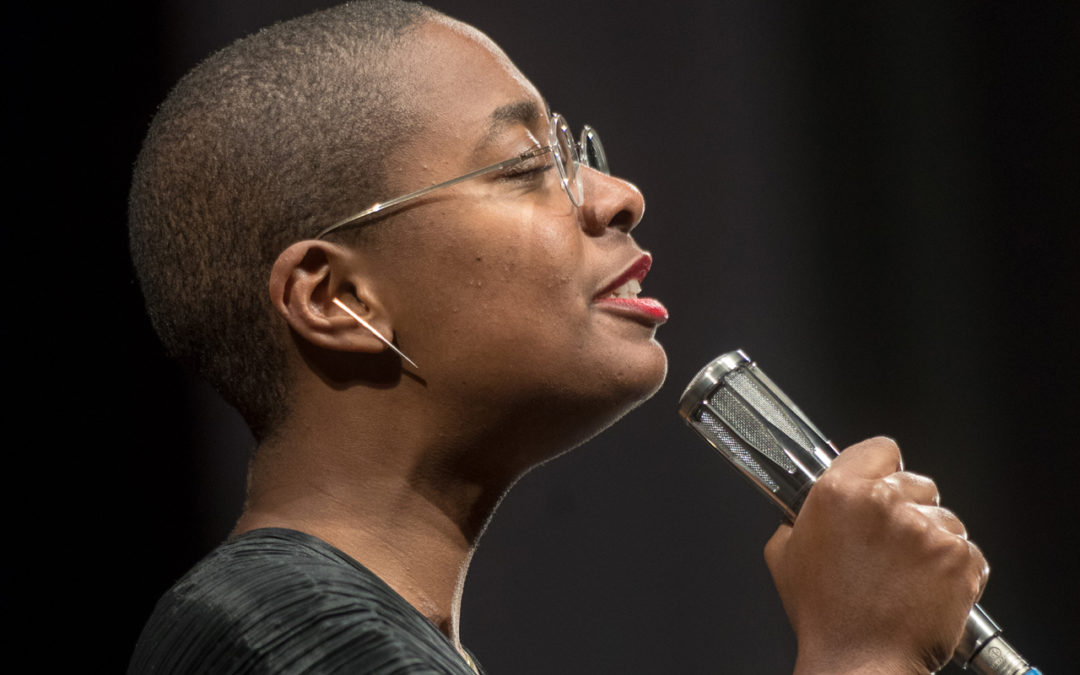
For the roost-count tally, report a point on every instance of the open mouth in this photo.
(628, 290)
(622, 295)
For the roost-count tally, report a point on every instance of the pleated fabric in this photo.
(282, 601)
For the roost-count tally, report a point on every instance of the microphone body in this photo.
(738, 410)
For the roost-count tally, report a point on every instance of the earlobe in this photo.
(316, 288)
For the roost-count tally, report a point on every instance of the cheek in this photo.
(520, 258)
(499, 280)
(544, 269)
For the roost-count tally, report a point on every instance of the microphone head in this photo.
(738, 410)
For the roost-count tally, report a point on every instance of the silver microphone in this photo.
(741, 413)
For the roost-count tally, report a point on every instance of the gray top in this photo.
(282, 601)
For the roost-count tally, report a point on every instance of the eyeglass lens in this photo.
(570, 155)
(568, 159)
(593, 150)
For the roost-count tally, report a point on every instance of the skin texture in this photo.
(491, 287)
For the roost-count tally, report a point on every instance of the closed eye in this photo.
(531, 168)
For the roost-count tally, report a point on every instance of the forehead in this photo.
(465, 87)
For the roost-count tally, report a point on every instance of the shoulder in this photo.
(281, 601)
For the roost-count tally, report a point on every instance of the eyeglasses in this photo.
(569, 156)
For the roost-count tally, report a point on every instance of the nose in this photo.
(610, 202)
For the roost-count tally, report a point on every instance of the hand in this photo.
(875, 576)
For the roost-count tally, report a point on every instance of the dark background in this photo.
(878, 201)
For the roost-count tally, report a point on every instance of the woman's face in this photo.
(500, 288)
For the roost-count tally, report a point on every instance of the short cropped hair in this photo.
(259, 146)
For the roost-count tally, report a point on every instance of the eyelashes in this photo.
(532, 169)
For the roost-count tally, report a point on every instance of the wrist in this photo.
(856, 662)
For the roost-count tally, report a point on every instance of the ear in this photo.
(305, 280)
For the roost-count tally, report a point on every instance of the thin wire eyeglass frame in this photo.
(569, 156)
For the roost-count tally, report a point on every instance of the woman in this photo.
(414, 357)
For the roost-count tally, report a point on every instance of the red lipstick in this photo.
(621, 295)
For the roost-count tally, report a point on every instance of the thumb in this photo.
(774, 548)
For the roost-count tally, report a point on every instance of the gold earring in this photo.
(374, 332)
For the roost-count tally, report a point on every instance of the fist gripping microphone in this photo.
(741, 413)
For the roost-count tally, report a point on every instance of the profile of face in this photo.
(499, 287)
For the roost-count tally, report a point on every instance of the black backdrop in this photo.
(878, 201)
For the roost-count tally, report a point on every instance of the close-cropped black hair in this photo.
(259, 146)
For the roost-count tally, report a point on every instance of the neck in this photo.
(395, 504)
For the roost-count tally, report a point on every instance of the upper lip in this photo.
(636, 270)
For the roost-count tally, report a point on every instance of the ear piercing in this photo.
(374, 332)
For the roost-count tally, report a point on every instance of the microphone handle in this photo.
(738, 410)
(985, 651)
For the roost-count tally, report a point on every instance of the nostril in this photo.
(624, 220)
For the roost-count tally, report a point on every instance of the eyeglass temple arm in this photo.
(389, 204)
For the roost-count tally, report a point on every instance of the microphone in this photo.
(741, 413)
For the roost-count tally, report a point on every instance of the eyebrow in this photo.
(526, 113)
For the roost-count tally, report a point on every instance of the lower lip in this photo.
(648, 310)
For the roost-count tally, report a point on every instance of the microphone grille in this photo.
(745, 408)
(740, 412)
(705, 419)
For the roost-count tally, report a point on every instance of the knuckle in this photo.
(885, 489)
(978, 559)
(831, 487)
(917, 526)
(887, 448)
(925, 482)
(920, 487)
(874, 445)
(884, 496)
(957, 551)
(886, 443)
(978, 571)
(957, 557)
(951, 522)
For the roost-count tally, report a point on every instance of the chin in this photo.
(547, 422)
(628, 388)
(645, 377)
(591, 428)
